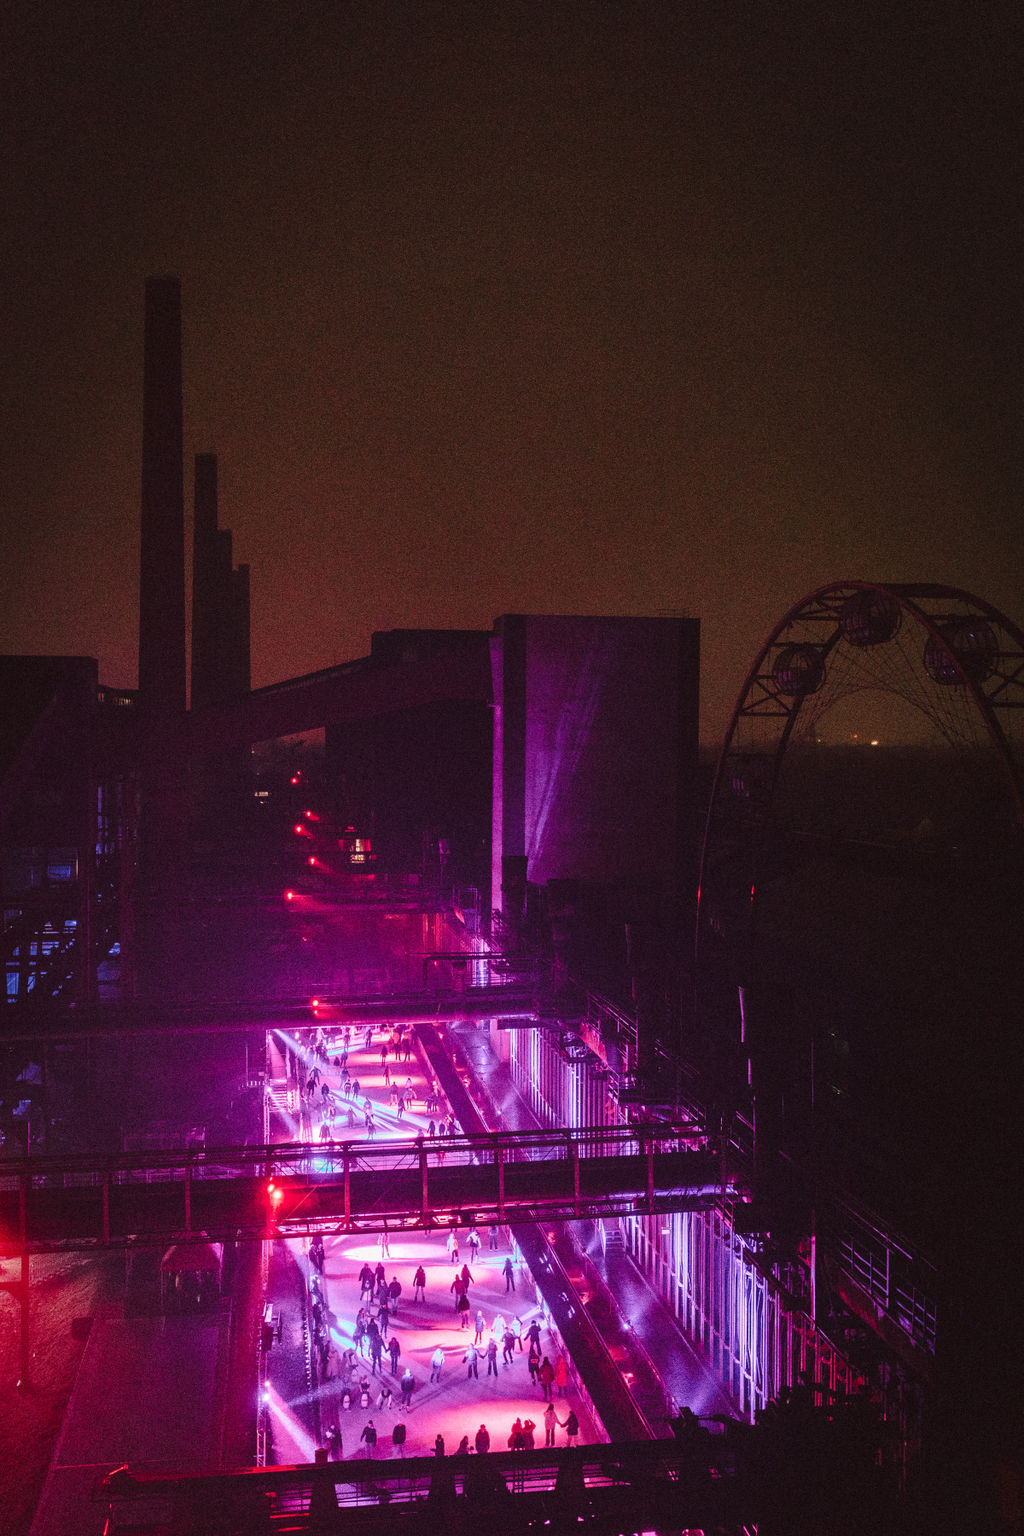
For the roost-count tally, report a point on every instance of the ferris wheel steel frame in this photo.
(971, 653)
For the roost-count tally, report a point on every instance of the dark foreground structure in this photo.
(807, 956)
(741, 1482)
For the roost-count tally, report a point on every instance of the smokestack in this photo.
(220, 601)
(162, 666)
(241, 679)
(154, 964)
(204, 583)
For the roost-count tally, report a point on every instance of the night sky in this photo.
(547, 307)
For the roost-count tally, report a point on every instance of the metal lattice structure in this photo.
(951, 657)
(197, 1194)
(950, 668)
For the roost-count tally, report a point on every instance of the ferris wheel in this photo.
(947, 666)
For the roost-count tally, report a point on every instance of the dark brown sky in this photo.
(555, 307)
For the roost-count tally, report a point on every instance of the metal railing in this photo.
(901, 1281)
(53, 1203)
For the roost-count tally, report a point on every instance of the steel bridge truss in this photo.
(198, 1194)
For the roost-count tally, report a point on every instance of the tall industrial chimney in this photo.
(204, 584)
(162, 665)
(156, 933)
(220, 601)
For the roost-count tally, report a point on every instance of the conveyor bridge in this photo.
(193, 1194)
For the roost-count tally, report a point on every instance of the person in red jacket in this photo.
(561, 1375)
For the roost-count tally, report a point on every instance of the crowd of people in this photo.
(328, 1111)
(371, 1374)
(363, 1371)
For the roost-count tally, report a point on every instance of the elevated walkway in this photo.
(525, 1175)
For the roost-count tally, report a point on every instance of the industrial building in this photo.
(534, 794)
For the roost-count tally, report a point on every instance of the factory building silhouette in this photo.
(538, 784)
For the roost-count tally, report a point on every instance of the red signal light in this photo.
(275, 1194)
(289, 895)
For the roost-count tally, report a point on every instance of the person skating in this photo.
(492, 1358)
(407, 1384)
(546, 1376)
(436, 1364)
(561, 1375)
(571, 1425)
(510, 1276)
(550, 1422)
(471, 1359)
(482, 1441)
(419, 1284)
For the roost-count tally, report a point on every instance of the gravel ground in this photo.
(64, 1286)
